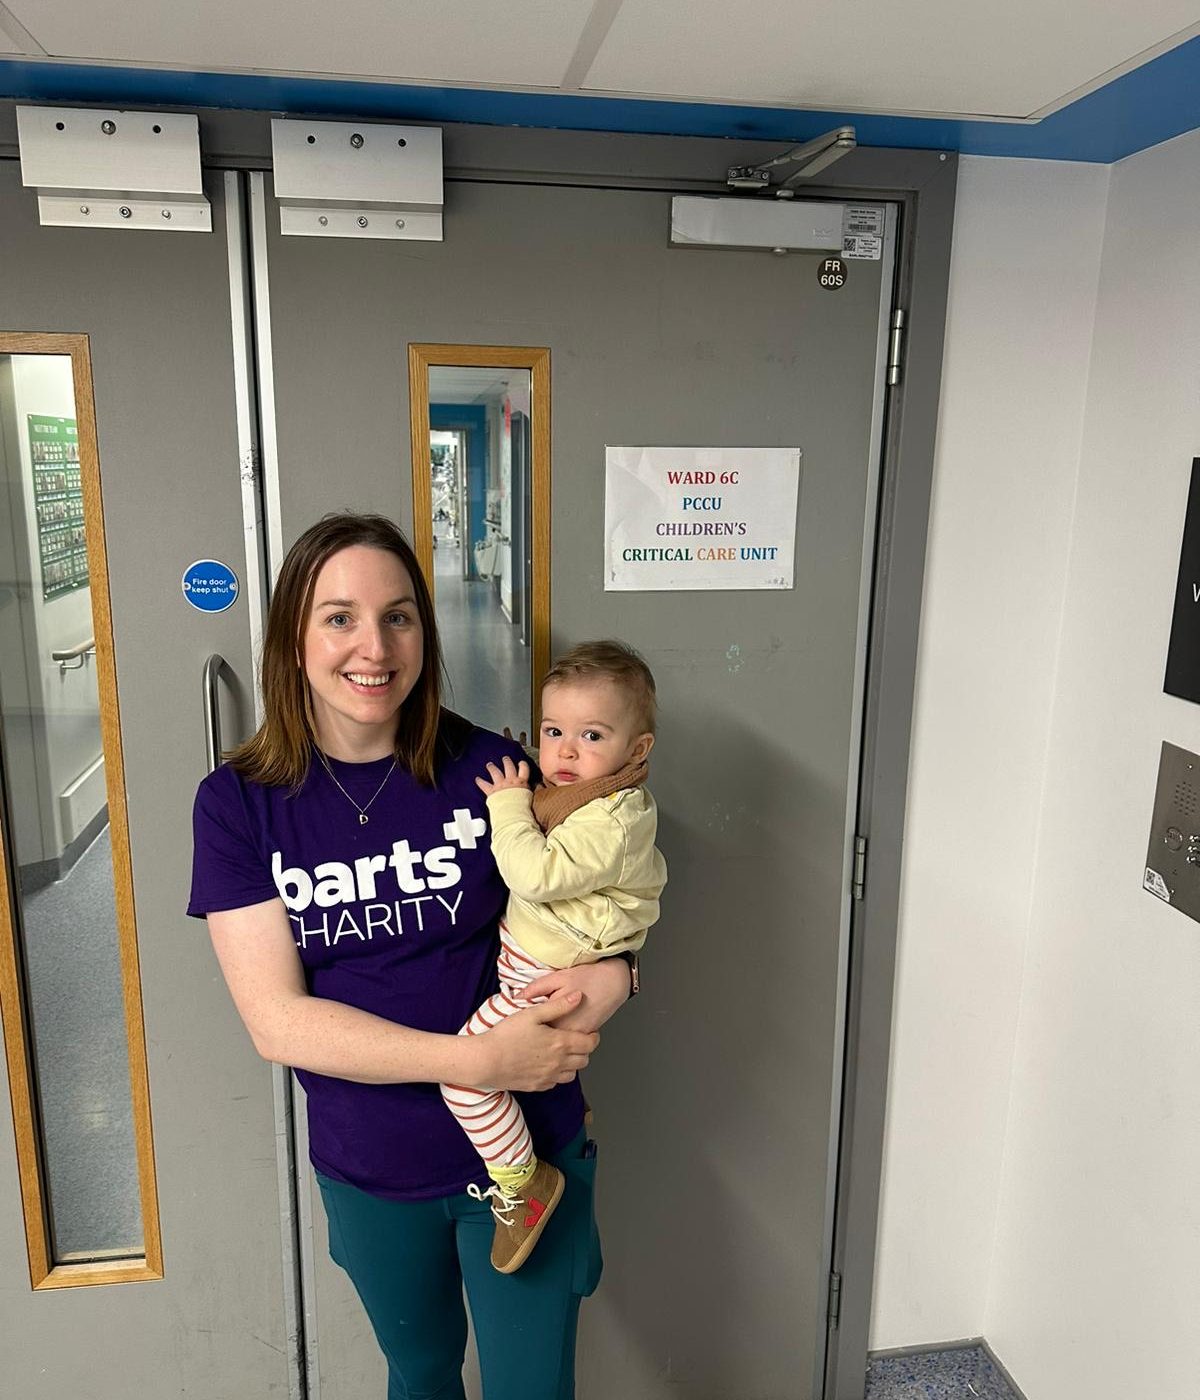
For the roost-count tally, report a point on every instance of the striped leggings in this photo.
(492, 1118)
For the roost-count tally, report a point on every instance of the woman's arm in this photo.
(288, 1026)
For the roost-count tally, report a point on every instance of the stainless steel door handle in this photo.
(212, 710)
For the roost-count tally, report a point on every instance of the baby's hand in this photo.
(513, 775)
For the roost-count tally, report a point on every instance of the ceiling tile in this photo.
(524, 43)
(12, 40)
(939, 56)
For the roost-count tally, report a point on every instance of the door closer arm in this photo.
(811, 157)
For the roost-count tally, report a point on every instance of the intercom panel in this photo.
(1173, 858)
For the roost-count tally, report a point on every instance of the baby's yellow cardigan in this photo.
(589, 888)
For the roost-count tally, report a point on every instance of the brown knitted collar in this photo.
(553, 805)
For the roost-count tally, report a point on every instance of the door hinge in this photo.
(834, 1311)
(858, 883)
(895, 367)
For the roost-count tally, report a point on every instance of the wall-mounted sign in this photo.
(700, 517)
(58, 501)
(1183, 653)
(210, 586)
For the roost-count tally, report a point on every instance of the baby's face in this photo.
(588, 731)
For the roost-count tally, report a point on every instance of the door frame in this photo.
(923, 183)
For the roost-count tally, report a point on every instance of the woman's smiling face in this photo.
(363, 650)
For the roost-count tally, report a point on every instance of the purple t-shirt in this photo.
(397, 917)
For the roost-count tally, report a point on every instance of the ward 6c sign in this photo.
(700, 517)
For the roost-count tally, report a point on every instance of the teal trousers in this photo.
(409, 1262)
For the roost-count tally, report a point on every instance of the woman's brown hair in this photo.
(280, 753)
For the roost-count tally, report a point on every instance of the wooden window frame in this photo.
(44, 1272)
(535, 359)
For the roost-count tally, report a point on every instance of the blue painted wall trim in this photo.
(1151, 104)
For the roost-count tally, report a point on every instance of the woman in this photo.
(342, 862)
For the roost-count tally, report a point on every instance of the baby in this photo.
(584, 877)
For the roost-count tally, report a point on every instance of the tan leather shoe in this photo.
(521, 1218)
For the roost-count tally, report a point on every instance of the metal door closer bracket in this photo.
(358, 179)
(112, 169)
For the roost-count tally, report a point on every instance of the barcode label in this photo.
(862, 218)
(862, 246)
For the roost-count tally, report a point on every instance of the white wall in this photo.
(1023, 283)
(1043, 1147)
(1096, 1277)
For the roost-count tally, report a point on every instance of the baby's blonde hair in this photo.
(620, 664)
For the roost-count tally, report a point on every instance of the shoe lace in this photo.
(502, 1203)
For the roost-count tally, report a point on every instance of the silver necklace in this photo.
(362, 811)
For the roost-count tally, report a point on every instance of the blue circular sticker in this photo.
(210, 586)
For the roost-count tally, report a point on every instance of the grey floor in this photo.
(82, 1060)
(957, 1373)
(485, 661)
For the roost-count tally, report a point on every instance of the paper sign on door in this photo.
(700, 517)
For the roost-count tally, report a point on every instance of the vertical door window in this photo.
(69, 988)
(480, 434)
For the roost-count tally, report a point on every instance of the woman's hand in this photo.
(605, 987)
(512, 775)
(527, 1051)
